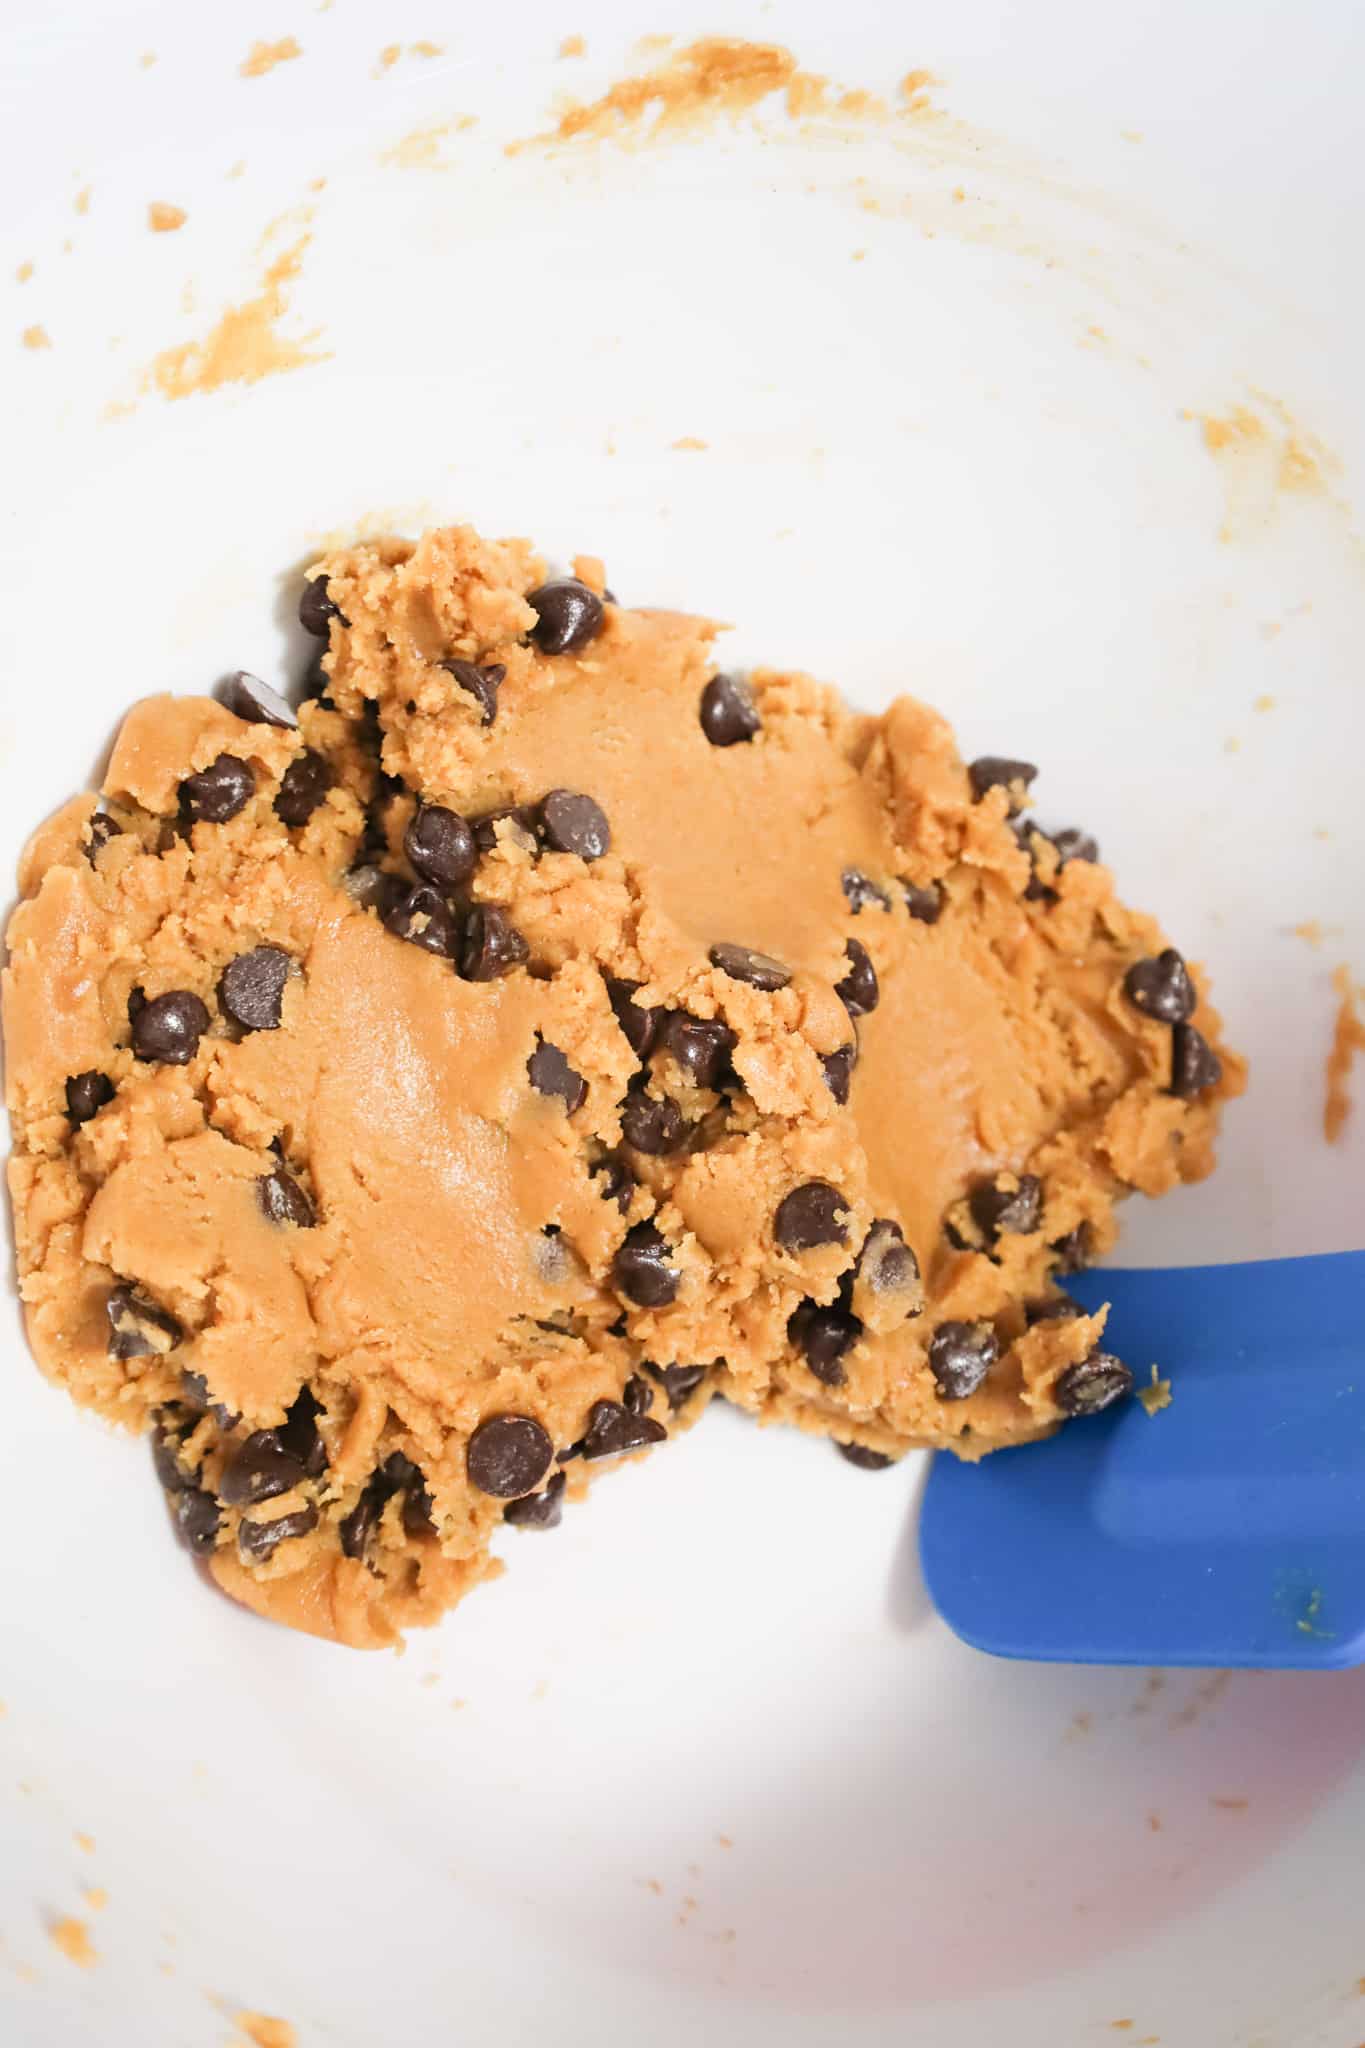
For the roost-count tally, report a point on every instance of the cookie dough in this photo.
(427, 1098)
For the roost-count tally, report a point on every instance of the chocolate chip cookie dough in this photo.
(425, 1098)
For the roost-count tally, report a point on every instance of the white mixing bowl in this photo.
(1040, 396)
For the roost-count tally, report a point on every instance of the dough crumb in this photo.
(420, 148)
(36, 337)
(391, 53)
(147, 59)
(573, 46)
(23, 273)
(85, 1843)
(164, 219)
(1156, 1396)
(263, 57)
(690, 441)
(264, 2032)
(914, 90)
(244, 344)
(713, 79)
(82, 199)
(1348, 1039)
(72, 1937)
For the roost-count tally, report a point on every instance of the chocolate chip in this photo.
(300, 1436)
(259, 1469)
(317, 610)
(701, 1046)
(251, 989)
(1195, 1065)
(425, 920)
(1073, 844)
(196, 1393)
(613, 1430)
(508, 1456)
(886, 1263)
(960, 1356)
(304, 785)
(523, 819)
(1053, 1308)
(374, 889)
(314, 686)
(1036, 890)
(679, 1382)
(1092, 1385)
(838, 1071)
(862, 892)
(572, 823)
(811, 1215)
(491, 945)
(168, 1029)
(568, 615)
(728, 714)
(1161, 988)
(641, 1269)
(256, 1541)
(1072, 1252)
(741, 963)
(616, 1182)
(481, 683)
(197, 1519)
(102, 829)
(167, 1444)
(247, 697)
(357, 1527)
(652, 1123)
(822, 1334)
(551, 1074)
(86, 1095)
(637, 1395)
(866, 1460)
(858, 990)
(924, 905)
(440, 845)
(217, 792)
(419, 1516)
(998, 1207)
(640, 1024)
(284, 1201)
(401, 1475)
(994, 771)
(543, 1510)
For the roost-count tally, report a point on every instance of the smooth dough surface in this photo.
(455, 1246)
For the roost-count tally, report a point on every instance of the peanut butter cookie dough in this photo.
(428, 1096)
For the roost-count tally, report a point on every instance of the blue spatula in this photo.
(1228, 1529)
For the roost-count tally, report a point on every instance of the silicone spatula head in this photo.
(1226, 1530)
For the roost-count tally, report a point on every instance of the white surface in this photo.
(923, 469)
